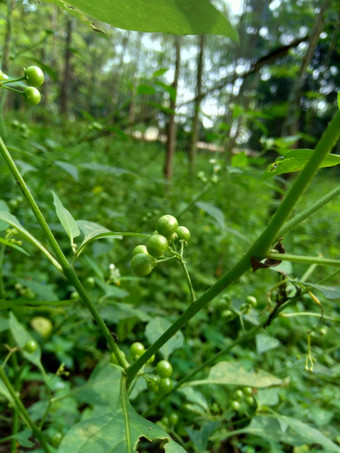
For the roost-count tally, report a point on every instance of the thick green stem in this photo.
(67, 268)
(259, 249)
(304, 259)
(23, 412)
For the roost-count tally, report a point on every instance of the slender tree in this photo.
(171, 126)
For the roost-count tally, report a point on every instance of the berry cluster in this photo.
(33, 76)
(167, 237)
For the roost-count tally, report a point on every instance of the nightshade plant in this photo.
(120, 429)
(129, 426)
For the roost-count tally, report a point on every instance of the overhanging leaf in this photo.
(14, 222)
(233, 373)
(265, 343)
(155, 328)
(295, 160)
(66, 219)
(178, 17)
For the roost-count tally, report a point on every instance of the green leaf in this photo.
(66, 219)
(5, 392)
(213, 212)
(102, 388)
(14, 222)
(14, 246)
(5, 304)
(233, 373)
(295, 160)
(109, 433)
(21, 337)
(339, 100)
(330, 292)
(310, 434)
(3, 207)
(116, 312)
(145, 89)
(107, 169)
(265, 343)
(178, 17)
(69, 168)
(155, 328)
(267, 397)
(93, 231)
(200, 437)
(239, 160)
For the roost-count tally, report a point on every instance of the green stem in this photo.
(187, 276)
(17, 384)
(23, 412)
(309, 211)
(259, 249)
(304, 259)
(67, 268)
(2, 288)
(19, 79)
(12, 89)
(310, 314)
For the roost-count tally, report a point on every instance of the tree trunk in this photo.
(171, 126)
(291, 125)
(66, 80)
(195, 126)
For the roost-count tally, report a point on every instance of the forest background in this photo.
(132, 126)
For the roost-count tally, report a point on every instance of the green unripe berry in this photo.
(239, 394)
(152, 359)
(235, 406)
(137, 349)
(31, 346)
(43, 326)
(251, 300)
(56, 439)
(248, 391)
(173, 418)
(139, 249)
(113, 358)
(250, 400)
(32, 96)
(141, 264)
(166, 225)
(183, 233)
(164, 369)
(157, 245)
(165, 385)
(34, 76)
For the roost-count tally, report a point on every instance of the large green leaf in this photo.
(330, 292)
(14, 222)
(3, 207)
(66, 219)
(116, 432)
(288, 430)
(155, 328)
(178, 17)
(295, 160)
(233, 373)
